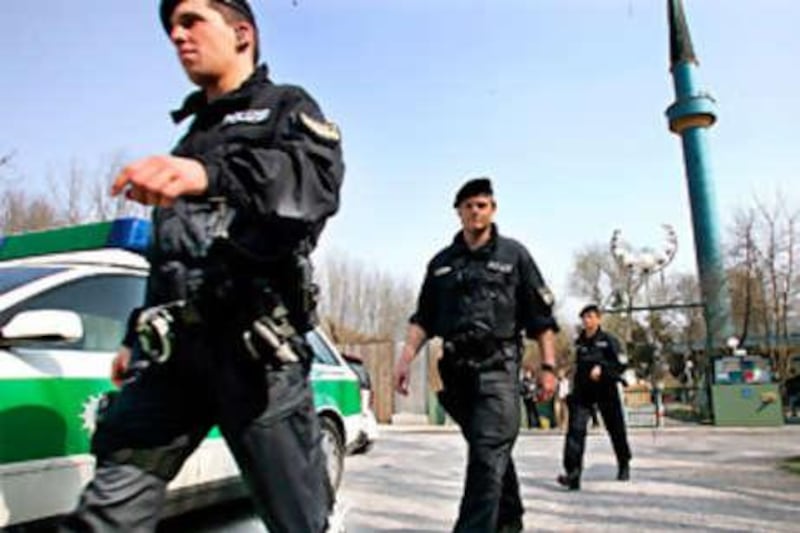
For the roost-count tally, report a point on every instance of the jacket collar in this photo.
(597, 334)
(196, 101)
(461, 245)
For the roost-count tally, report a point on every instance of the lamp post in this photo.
(638, 265)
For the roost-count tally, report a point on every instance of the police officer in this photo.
(239, 205)
(529, 396)
(598, 373)
(478, 295)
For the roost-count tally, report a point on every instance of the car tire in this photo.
(364, 445)
(333, 450)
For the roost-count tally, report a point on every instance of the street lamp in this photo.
(638, 265)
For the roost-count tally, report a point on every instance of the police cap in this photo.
(591, 308)
(474, 187)
(168, 6)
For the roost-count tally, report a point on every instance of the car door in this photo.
(47, 400)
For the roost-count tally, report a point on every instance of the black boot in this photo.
(570, 480)
(514, 526)
(624, 472)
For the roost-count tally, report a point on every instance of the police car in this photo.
(64, 300)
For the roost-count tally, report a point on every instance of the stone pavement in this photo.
(694, 478)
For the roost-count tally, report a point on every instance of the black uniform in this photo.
(601, 349)
(479, 301)
(274, 165)
(529, 400)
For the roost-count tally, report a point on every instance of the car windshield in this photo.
(13, 277)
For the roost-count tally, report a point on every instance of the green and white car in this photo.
(64, 300)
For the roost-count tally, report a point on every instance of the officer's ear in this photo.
(244, 35)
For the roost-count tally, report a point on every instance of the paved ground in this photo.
(696, 478)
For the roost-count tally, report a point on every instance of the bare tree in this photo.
(83, 195)
(102, 205)
(596, 277)
(20, 212)
(5, 159)
(779, 254)
(361, 303)
(5, 165)
(763, 269)
(68, 193)
(78, 196)
(746, 276)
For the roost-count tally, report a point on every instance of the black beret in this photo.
(168, 6)
(474, 187)
(591, 308)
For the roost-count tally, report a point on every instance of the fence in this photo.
(379, 359)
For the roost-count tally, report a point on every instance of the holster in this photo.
(271, 337)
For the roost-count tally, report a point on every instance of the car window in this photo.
(322, 353)
(361, 372)
(13, 277)
(103, 303)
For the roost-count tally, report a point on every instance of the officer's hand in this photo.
(595, 373)
(402, 376)
(546, 386)
(160, 180)
(120, 364)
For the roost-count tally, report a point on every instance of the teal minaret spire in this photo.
(690, 117)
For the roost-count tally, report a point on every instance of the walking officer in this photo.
(238, 207)
(598, 373)
(478, 295)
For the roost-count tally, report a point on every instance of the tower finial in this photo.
(680, 42)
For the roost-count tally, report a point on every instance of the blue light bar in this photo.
(132, 234)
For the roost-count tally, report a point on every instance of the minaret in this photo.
(690, 116)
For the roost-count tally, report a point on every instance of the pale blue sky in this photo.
(560, 101)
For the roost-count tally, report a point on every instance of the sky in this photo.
(561, 102)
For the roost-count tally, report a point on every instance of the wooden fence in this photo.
(379, 359)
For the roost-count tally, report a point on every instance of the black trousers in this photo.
(581, 404)
(532, 411)
(266, 417)
(485, 404)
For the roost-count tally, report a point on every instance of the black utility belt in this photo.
(497, 361)
(483, 356)
(488, 345)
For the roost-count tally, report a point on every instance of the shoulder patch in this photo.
(326, 131)
(546, 295)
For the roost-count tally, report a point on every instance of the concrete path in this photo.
(690, 478)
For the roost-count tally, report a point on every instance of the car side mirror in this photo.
(42, 325)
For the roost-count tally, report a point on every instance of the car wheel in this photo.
(364, 445)
(333, 450)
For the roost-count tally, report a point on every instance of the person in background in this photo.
(562, 393)
(528, 391)
(597, 377)
(479, 295)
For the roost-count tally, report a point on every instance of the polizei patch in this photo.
(441, 271)
(498, 266)
(249, 116)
